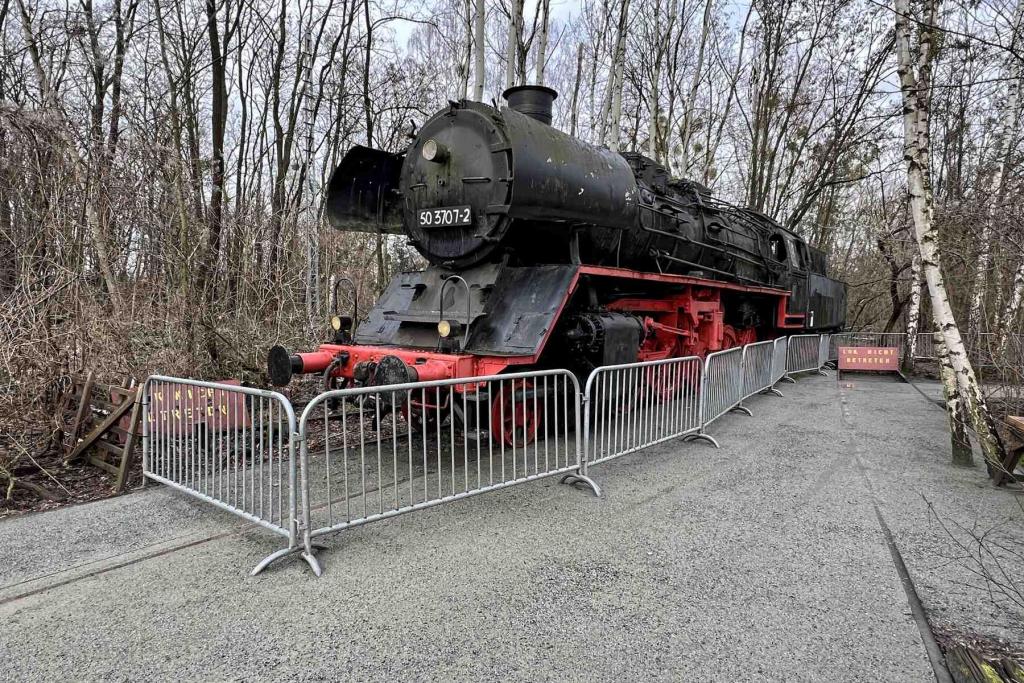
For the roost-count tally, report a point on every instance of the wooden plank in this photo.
(121, 393)
(83, 405)
(129, 444)
(1014, 450)
(102, 464)
(108, 446)
(1012, 670)
(99, 430)
(965, 666)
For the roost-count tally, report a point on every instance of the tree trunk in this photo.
(974, 316)
(686, 129)
(1001, 151)
(512, 49)
(913, 314)
(916, 101)
(467, 55)
(1013, 304)
(542, 41)
(655, 110)
(218, 121)
(479, 66)
(574, 112)
(618, 67)
(960, 443)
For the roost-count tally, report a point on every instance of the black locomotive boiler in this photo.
(546, 251)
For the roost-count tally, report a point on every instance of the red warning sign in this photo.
(176, 408)
(869, 358)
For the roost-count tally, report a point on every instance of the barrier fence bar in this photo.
(635, 405)
(723, 386)
(834, 342)
(803, 354)
(780, 356)
(758, 369)
(228, 445)
(372, 453)
(823, 348)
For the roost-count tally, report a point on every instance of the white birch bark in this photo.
(915, 85)
(913, 312)
(1008, 324)
(619, 66)
(652, 127)
(467, 54)
(512, 49)
(959, 439)
(686, 129)
(981, 269)
(542, 41)
(1005, 125)
(479, 68)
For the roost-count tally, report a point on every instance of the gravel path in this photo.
(760, 561)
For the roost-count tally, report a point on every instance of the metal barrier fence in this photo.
(230, 446)
(637, 405)
(371, 453)
(823, 348)
(723, 386)
(804, 354)
(361, 455)
(758, 369)
(780, 359)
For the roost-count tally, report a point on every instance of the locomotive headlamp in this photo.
(434, 151)
(444, 328)
(336, 323)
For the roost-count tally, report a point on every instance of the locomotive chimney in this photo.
(531, 100)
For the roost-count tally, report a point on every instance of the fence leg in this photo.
(774, 391)
(743, 409)
(282, 553)
(297, 525)
(578, 477)
(305, 550)
(787, 378)
(701, 435)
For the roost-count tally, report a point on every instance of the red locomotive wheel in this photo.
(420, 416)
(661, 383)
(513, 416)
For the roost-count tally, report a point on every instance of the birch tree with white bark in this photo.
(917, 36)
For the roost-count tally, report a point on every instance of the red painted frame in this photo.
(701, 302)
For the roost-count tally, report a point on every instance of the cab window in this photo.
(797, 254)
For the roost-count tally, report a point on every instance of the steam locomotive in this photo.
(546, 251)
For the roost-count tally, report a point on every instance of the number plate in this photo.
(445, 217)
